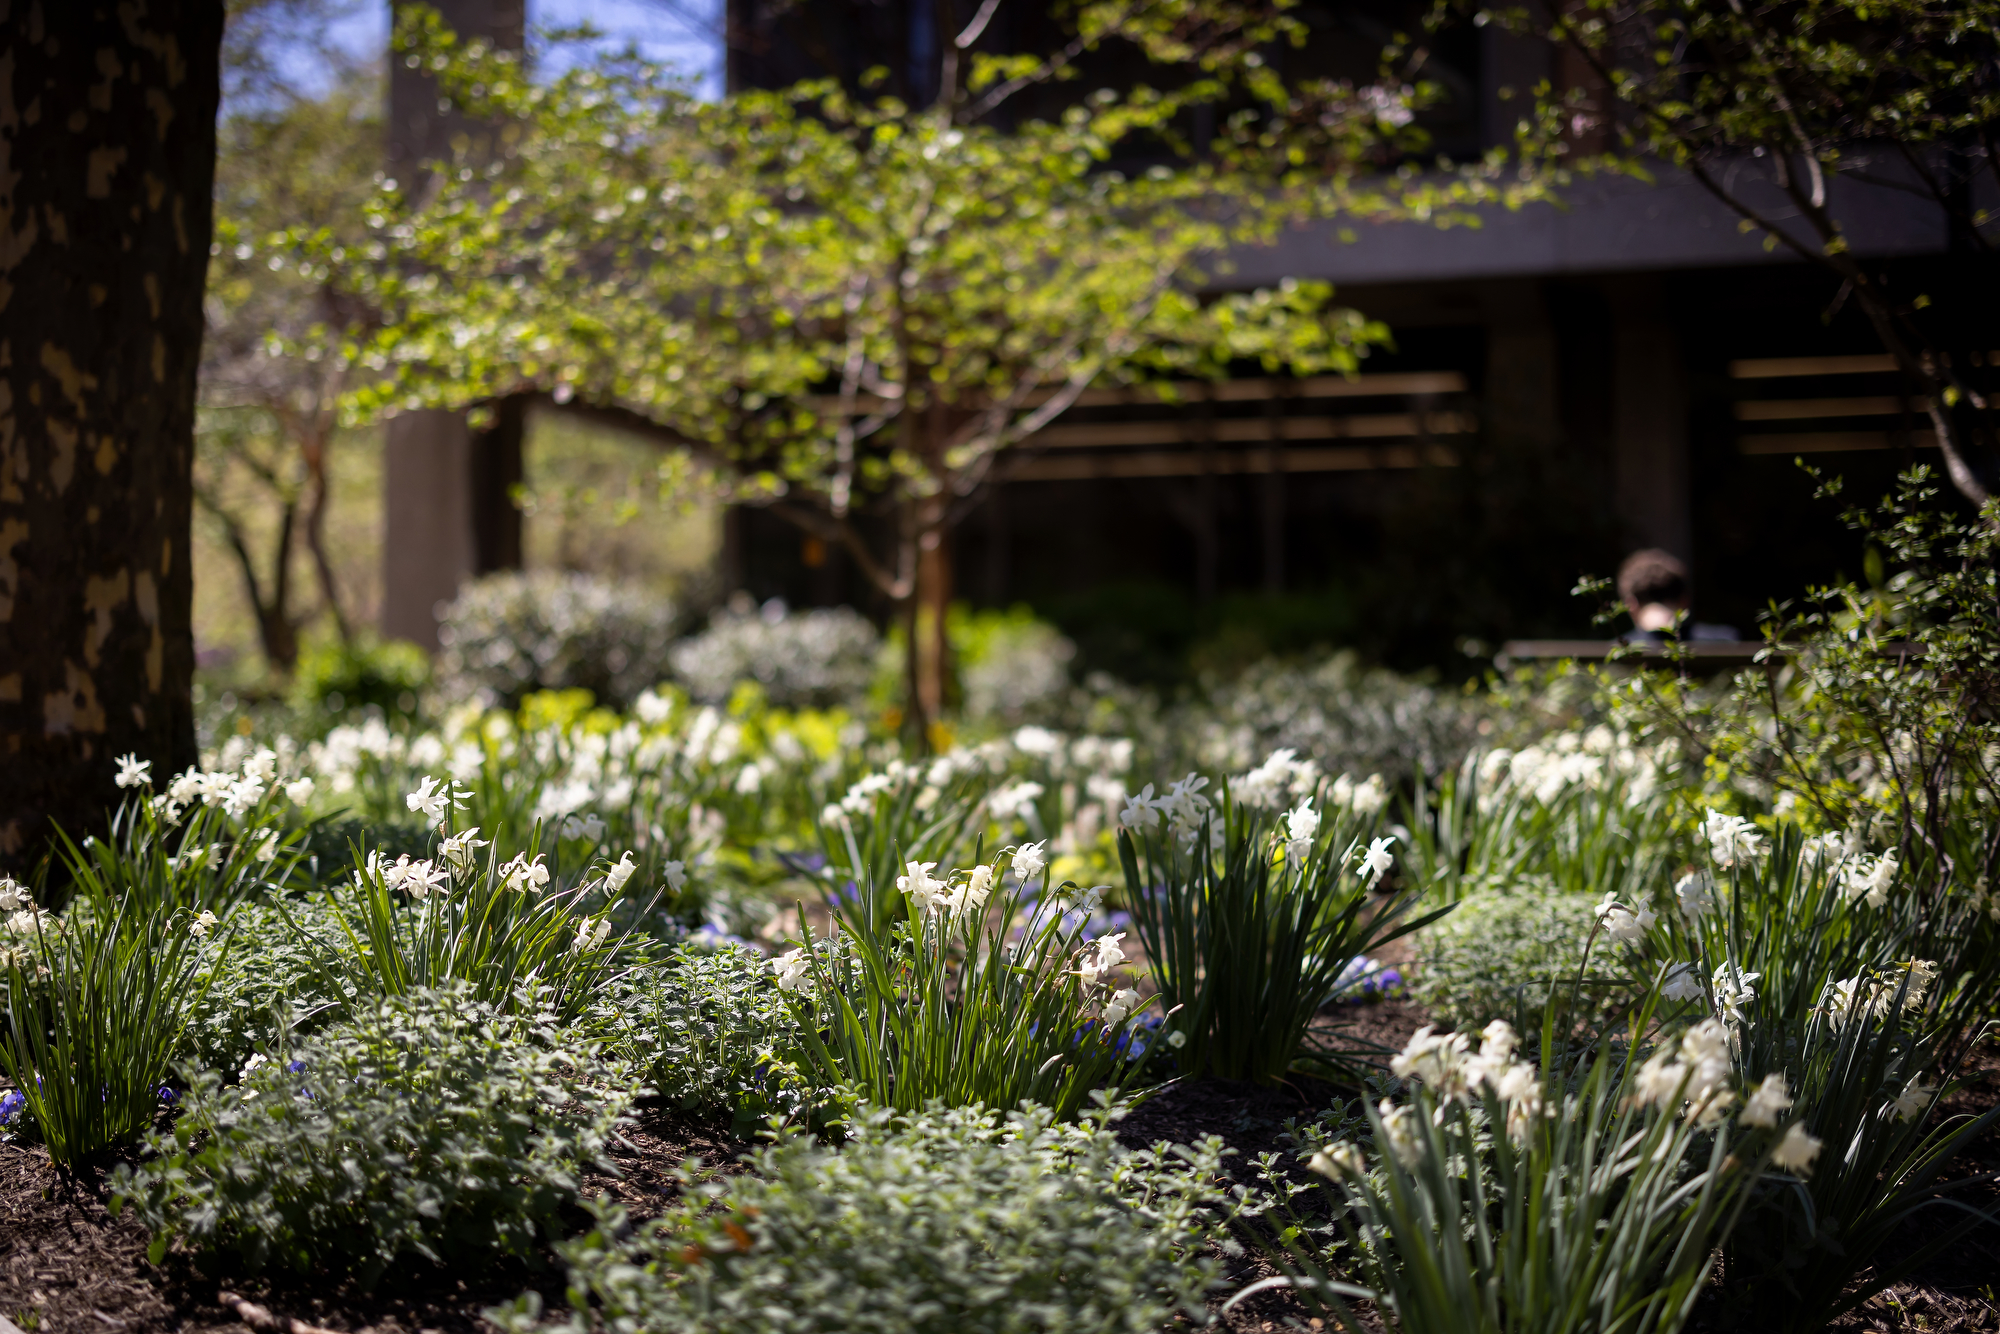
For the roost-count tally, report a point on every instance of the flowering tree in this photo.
(273, 361)
(859, 312)
(1903, 94)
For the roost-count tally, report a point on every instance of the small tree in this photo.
(860, 312)
(1771, 106)
(274, 363)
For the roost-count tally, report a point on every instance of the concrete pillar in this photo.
(1649, 422)
(429, 547)
(431, 541)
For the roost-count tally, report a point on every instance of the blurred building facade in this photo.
(1567, 385)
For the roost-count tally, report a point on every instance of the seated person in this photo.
(1653, 585)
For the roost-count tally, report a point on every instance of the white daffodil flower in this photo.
(1029, 861)
(1768, 1104)
(1796, 1151)
(134, 772)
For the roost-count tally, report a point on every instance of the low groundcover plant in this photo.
(948, 1221)
(430, 1124)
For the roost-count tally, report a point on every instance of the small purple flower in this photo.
(169, 1095)
(11, 1106)
(295, 1067)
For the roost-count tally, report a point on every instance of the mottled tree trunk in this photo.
(107, 161)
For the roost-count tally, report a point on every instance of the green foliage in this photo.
(803, 659)
(966, 1000)
(508, 635)
(361, 673)
(708, 1030)
(942, 1222)
(1248, 928)
(264, 988)
(1503, 950)
(97, 1002)
(1793, 113)
(430, 1125)
(1548, 1209)
(504, 930)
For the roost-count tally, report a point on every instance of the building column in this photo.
(1649, 422)
(429, 547)
(441, 524)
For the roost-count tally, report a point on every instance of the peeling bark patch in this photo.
(102, 165)
(62, 466)
(12, 533)
(74, 708)
(75, 381)
(101, 597)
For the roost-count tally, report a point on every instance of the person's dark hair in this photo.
(1653, 575)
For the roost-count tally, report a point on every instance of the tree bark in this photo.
(107, 164)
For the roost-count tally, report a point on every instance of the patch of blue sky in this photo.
(686, 34)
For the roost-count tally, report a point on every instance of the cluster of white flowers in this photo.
(1874, 995)
(1100, 957)
(1183, 808)
(435, 800)
(459, 849)
(1121, 1005)
(1301, 828)
(1591, 760)
(1013, 801)
(22, 916)
(237, 780)
(1871, 880)
(521, 874)
(1627, 925)
(1280, 778)
(1732, 840)
(794, 970)
(1448, 1066)
(1029, 862)
(1696, 1072)
(419, 879)
(1695, 893)
(591, 932)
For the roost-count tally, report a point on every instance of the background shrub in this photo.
(430, 1125)
(945, 1221)
(1494, 955)
(803, 659)
(510, 634)
(1010, 665)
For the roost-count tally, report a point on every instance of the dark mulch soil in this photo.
(67, 1265)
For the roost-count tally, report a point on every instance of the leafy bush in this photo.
(508, 635)
(939, 1223)
(389, 675)
(1499, 953)
(708, 1030)
(264, 986)
(803, 659)
(1009, 664)
(430, 1125)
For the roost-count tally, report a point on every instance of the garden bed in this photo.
(71, 1266)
